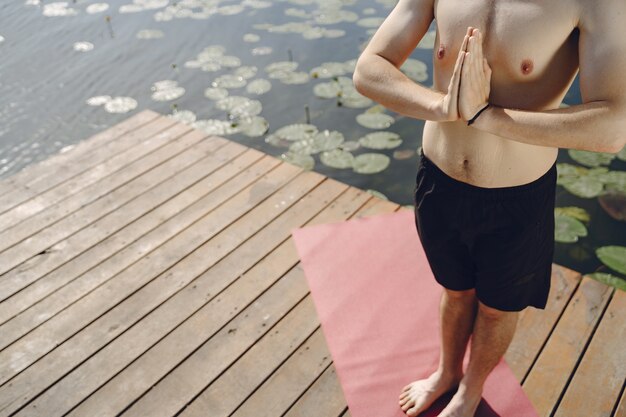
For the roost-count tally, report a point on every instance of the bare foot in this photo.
(463, 404)
(419, 395)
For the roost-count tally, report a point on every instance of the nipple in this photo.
(527, 66)
(441, 52)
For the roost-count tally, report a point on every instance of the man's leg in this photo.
(457, 310)
(492, 334)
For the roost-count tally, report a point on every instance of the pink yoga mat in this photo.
(378, 304)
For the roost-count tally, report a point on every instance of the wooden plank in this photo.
(323, 398)
(151, 245)
(14, 218)
(124, 350)
(534, 326)
(232, 387)
(224, 395)
(130, 239)
(598, 380)
(255, 201)
(130, 184)
(70, 169)
(549, 375)
(77, 151)
(286, 384)
(187, 337)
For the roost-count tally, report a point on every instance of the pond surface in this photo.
(275, 76)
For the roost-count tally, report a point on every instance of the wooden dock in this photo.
(149, 271)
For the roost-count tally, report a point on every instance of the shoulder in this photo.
(601, 15)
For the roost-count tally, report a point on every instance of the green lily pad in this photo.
(568, 229)
(325, 140)
(253, 126)
(591, 159)
(239, 106)
(585, 187)
(381, 140)
(614, 257)
(374, 120)
(337, 158)
(229, 81)
(575, 212)
(258, 86)
(609, 279)
(377, 194)
(303, 161)
(215, 93)
(297, 131)
(415, 69)
(370, 163)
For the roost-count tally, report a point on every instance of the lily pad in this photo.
(297, 131)
(216, 127)
(323, 141)
(377, 194)
(229, 81)
(215, 93)
(337, 158)
(83, 46)
(120, 105)
(585, 187)
(246, 71)
(370, 163)
(415, 69)
(259, 86)
(575, 212)
(609, 279)
(591, 159)
(381, 140)
(614, 257)
(253, 126)
(375, 120)
(185, 116)
(251, 37)
(303, 161)
(568, 229)
(614, 203)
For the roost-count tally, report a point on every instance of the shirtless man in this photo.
(521, 57)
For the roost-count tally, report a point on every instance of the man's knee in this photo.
(494, 313)
(462, 294)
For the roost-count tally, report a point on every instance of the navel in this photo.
(527, 66)
(441, 51)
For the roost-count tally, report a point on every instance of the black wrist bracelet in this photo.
(469, 122)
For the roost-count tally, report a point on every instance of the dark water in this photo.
(44, 85)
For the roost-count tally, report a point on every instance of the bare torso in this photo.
(532, 49)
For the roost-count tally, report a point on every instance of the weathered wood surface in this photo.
(149, 270)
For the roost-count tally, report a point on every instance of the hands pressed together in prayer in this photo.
(469, 87)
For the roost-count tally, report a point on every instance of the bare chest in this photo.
(530, 45)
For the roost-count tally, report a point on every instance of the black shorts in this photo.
(499, 241)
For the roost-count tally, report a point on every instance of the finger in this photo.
(480, 55)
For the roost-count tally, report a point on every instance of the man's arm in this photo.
(599, 124)
(377, 74)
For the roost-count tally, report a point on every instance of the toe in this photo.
(404, 394)
(407, 405)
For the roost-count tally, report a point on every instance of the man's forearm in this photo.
(380, 80)
(596, 126)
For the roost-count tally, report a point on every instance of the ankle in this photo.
(450, 374)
